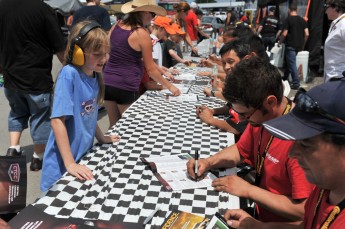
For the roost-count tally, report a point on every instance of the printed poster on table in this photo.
(13, 181)
(33, 218)
(171, 171)
(186, 220)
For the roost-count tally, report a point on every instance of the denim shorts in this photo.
(32, 108)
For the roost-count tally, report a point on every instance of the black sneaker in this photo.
(294, 87)
(36, 164)
(11, 152)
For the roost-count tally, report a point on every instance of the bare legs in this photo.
(15, 138)
(114, 111)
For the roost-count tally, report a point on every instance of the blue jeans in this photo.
(30, 108)
(269, 42)
(290, 58)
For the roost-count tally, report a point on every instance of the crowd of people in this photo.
(295, 146)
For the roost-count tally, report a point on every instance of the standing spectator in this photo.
(131, 46)
(228, 21)
(295, 33)
(190, 20)
(334, 61)
(201, 34)
(269, 29)
(194, 6)
(78, 91)
(28, 40)
(93, 12)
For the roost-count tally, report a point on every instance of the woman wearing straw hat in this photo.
(130, 44)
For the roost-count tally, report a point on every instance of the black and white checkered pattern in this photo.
(124, 188)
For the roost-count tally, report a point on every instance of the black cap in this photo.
(299, 124)
(272, 9)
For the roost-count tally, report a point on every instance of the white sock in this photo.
(38, 155)
(17, 147)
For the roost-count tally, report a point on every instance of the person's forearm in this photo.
(305, 41)
(99, 134)
(259, 30)
(188, 41)
(223, 125)
(156, 76)
(153, 85)
(277, 204)
(161, 71)
(224, 110)
(229, 157)
(219, 95)
(201, 32)
(62, 141)
(176, 57)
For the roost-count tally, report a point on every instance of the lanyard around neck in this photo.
(332, 215)
(260, 158)
(333, 26)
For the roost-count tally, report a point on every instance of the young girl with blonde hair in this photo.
(78, 91)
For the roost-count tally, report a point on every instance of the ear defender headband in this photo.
(76, 54)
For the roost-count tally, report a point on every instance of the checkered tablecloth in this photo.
(124, 188)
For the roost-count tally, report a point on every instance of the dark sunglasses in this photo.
(153, 14)
(244, 115)
(305, 103)
(326, 6)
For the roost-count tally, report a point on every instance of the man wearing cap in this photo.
(317, 125)
(269, 29)
(280, 188)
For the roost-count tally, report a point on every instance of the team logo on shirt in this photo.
(271, 158)
(88, 107)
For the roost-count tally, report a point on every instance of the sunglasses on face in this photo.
(244, 115)
(153, 14)
(305, 103)
(326, 6)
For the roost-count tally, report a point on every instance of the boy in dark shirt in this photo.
(172, 53)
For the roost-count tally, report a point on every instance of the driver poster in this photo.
(13, 180)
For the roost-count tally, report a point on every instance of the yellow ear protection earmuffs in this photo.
(76, 54)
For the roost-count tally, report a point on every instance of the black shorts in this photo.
(120, 96)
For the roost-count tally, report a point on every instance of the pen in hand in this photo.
(196, 158)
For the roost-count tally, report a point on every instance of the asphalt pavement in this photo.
(33, 190)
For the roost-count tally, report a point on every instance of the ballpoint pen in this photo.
(196, 158)
(151, 215)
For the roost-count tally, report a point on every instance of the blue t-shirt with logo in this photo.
(75, 97)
